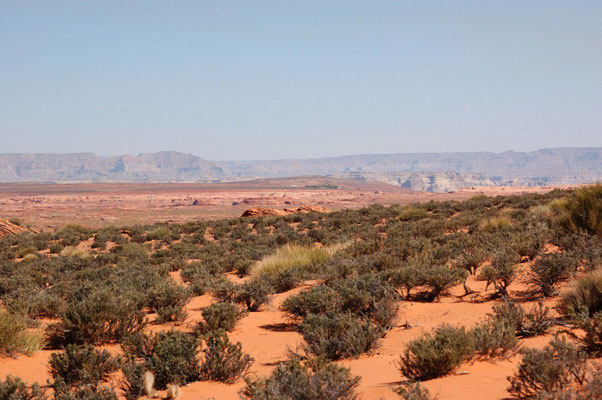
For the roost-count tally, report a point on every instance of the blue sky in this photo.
(233, 80)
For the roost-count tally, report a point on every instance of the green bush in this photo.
(223, 361)
(293, 380)
(219, 316)
(168, 300)
(338, 335)
(99, 316)
(316, 300)
(592, 338)
(15, 338)
(254, 293)
(171, 356)
(550, 270)
(584, 299)
(132, 383)
(494, 338)
(551, 369)
(534, 322)
(15, 389)
(81, 365)
(412, 391)
(437, 354)
(502, 271)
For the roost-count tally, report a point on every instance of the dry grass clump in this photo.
(295, 256)
(74, 251)
(16, 338)
(495, 224)
(584, 210)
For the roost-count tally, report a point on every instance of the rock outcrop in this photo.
(8, 228)
(262, 211)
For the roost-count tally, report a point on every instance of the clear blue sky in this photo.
(230, 80)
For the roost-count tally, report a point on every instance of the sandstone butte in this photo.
(7, 228)
(262, 211)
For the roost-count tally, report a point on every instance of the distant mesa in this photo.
(262, 211)
(431, 172)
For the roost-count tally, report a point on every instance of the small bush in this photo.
(219, 316)
(412, 391)
(82, 365)
(99, 316)
(592, 339)
(222, 360)
(15, 389)
(171, 356)
(536, 321)
(316, 300)
(502, 271)
(338, 335)
(584, 299)
(16, 338)
(168, 300)
(437, 354)
(293, 380)
(550, 369)
(254, 293)
(132, 383)
(494, 338)
(550, 270)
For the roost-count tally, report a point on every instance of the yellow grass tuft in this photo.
(72, 251)
(291, 256)
(495, 224)
(16, 338)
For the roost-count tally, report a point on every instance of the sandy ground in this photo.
(47, 207)
(267, 335)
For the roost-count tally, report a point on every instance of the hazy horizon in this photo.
(268, 80)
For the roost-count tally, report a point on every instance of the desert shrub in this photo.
(284, 280)
(338, 335)
(13, 388)
(528, 244)
(293, 380)
(440, 278)
(219, 316)
(534, 322)
(592, 338)
(168, 300)
(254, 293)
(55, 248)
(224, 290)
(223, 361)
(412, 391)
(502, 271)
(494, 338)
(316, 300)
(81, 365)
(14, 336)
(550, 369)
(584, 209)
(437, 354)
(550, 270)
(584, 299)
(22, 252)
(99, 316)
(102, 392)
(171, 356)
(132, 383)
